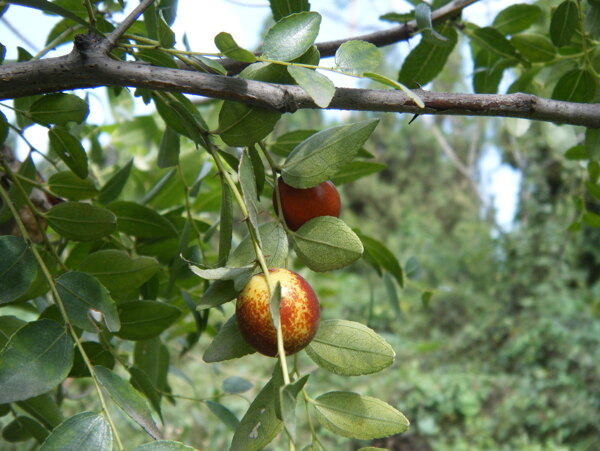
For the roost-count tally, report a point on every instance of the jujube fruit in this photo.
(300, 205)
(299, 312)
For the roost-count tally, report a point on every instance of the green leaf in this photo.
(166, 36)
(180, 114)
(357, 57)
(316, 85)
(36, 359)
(23, 428)
(326, 243)
(235, 385)
(563, 23)
(141, 382)
(142, 320)
(111, 189)
(426, 60)
(117, 271)
(577, 85)
(259, 170)
(227, 344)
(578, 152)
(226, 223)
(18, 268)
(3, 128)
(535, 47)
(168, 151)
(593, 189)
(291, 36)
(228, 47)
(259, 425)
(592, 143)
(493, 41)
(81, 293)
(356, 170)
(81, 222)
(69, 150)
(282, 8)
(275, 247)
(168, 9)
(390, 287)
(140, 221)
(426, 298)
(319, 157)
(226, 416)
(349, 348)
(285, 403)
(68, 185)
(243, 125)
(591, 219)
(44, 409)
(381, 257)
(163, 445)
(362, 417)
(222, 273)
(249, 192)
(9, 325)
(152, 357)
(128, 399)
(219, 292)
(489, 68)
(49, 7)
(97, 355)
(156, 58)
(59, 109)
(85, 430)
(285, 143)
(517, 18)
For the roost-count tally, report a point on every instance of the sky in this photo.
(245, 19)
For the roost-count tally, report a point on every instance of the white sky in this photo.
(201, 23)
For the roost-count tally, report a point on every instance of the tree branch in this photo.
(112, 39)
(87, 67)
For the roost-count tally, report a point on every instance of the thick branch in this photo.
(88, 67)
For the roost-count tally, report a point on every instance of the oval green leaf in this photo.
(282, 8)
(349, 348)
(319, 157)
(81, 293)
(117, 271)
(358, 57)
(291, 36)
(275, 247)
(517, 18)
(36, 359)
(69, 150)
(564, 23)
(18, 268)
(228, 47)
(81, 222)
(380, 256)
(23, 428)
(142, 320)
(243, 125)
(70, 186)
(577, 85)
(111, 189)
(356, 170)
(535, 47)
(316, 85)
(140, 221)
(96, 353)
(128, 399)
(327, 243)
(59, 109)
(86, 430)
(227, 344)
(361, 417)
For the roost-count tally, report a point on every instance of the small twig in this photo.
(111, 39)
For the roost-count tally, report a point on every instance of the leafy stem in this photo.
(59, 303)
(259, 253)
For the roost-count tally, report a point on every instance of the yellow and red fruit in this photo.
(301, 205)
(299, 312)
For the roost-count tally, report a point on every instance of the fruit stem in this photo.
(260, 257)
(63, 312)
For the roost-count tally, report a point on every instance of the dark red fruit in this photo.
(301, 205)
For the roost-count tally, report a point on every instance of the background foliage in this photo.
(495, 329)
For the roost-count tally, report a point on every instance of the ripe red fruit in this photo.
(299, 313)
(301, 205)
